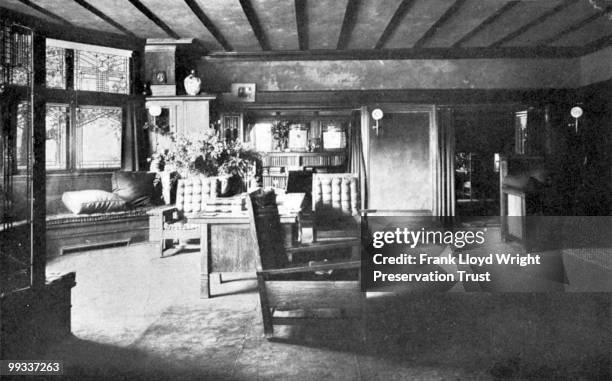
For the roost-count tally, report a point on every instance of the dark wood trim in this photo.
(574, 27)
(212, 28)
(348, 23)
(301, 19)
(45, 12)
(72, 33)
(400, 54)
(598, 88)
(512, 35)
(488, 21)
(104, 17)
(353, 99)
(69, 61)
(86, 98)
(147, 12)
(452, 10)
(401, 12)
(251, 15)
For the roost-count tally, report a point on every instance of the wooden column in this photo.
(39, 195)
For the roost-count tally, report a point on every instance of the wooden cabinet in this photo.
(185, 115)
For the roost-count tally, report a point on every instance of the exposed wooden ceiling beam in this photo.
(434, 28)
(488, 21)
(251, 15)
(529, 25)
(401, 12)
(74, 33)
(301, 18)
(45, 12)
(147, 12)
(397, 54)
(574, 27)
(348, 23)
(212, 28)
(600, 43)
(104, 17)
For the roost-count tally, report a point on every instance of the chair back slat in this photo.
(266, 230)
(192, 193)
(335, 199)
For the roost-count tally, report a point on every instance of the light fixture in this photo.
(576, 112)
(377, 114)
(155, 110)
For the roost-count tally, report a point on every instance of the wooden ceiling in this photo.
(366, 29)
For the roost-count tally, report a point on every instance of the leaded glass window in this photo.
(15, 55)
(23, 133)
(98, 137)
(56, 67)
(94, 71)
(56, 125)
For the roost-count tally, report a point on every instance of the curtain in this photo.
(446, 152)
(355, 156)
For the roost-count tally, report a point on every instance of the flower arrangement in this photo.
(207, 155)
(280, 133)
(191, 155)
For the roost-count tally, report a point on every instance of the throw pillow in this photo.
(92, 201)
(138, 188)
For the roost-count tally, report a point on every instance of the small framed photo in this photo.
(244, 92)
(159, 78)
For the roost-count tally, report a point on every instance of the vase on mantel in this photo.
(192, 84)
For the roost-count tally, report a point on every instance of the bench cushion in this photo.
(66, 218)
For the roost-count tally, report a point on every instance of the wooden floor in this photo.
(137, 317)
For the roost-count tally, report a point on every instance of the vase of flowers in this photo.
(206, 155)
(280, 133)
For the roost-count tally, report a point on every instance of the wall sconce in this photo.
(377, 114)
(576, 112)
(155, 111)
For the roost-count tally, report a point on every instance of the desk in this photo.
(226, 244)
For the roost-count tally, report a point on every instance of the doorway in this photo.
(482, 135)
(402, 161)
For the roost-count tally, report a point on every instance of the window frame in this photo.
(65, 134)
(74, 99)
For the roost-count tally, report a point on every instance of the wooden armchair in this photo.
(335, 205)
(303, 286)
(191, 196)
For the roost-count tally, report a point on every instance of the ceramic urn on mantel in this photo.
(168, 63)
(192, 84)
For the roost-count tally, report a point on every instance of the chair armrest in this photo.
(161, 210)
(324, 245)
(306, 269)
(167, 213)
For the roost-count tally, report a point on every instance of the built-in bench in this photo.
(66, 232)
(70, 232)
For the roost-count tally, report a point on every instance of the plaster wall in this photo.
(596, 67)
(218, 75)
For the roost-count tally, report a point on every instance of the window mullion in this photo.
(72, 135)
(70, 84)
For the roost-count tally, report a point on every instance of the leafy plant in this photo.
(280, 131)
(207, 155)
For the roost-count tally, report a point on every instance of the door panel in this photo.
(401, 163)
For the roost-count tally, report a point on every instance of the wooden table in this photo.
(226, 244)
